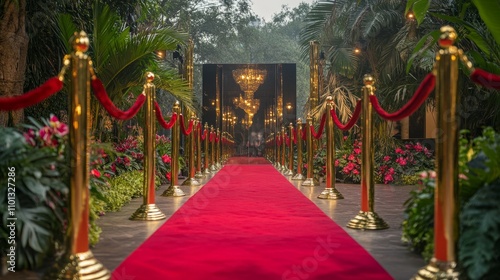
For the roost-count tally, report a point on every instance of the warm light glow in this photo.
(289, 106)
(410, 15)
(357, 51)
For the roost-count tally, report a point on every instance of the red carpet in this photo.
(247, 160)
(249, 223)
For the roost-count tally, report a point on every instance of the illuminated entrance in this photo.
(249, 102)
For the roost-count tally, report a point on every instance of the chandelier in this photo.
(249, 79)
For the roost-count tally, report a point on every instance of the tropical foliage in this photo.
(479, 236)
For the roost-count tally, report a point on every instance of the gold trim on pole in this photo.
(289, 169)
(218, 164)
(191, 181)
(310, 181)
(278, 152)
(330, 191)
(199, 173)
(206, 159)
(299, 175)
(283, 151)
(367, 218)
(174, 189)
(314, 74)
(443, 265)
(78, 262)
(148, 211)
(213, 169)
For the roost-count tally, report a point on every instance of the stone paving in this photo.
(121, 236)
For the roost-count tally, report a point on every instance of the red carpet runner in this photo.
(249, 223)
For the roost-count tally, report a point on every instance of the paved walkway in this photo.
(121, 236)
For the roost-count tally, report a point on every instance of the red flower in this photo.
(418, 147)
(336, 162)
(401, 161)
(387, 158)
(168, 176)
(351, 157)
(95, 173)
(166, 159)
(29, 136)
(399, 151)
(357, 151)
(355, 172)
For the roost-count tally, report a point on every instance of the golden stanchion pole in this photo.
(213, 168)
(199, 131)
(330, 191)
(206, 159)
(78, 262)
(310, 181)
(283, 151)
(148, 211)
(174, 189)
(289, 171)
(367, 218)
(278, 152)
(191, 181)
(299, 175)
(218, 164)
(443, 265)
(314, 74)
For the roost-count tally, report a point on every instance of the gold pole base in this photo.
(438, 270)
(199, 175)
(298, 177)
(173, 191)
(213, 168)
(207, 171)
(191, 182)
(78, 266)
(218, 165)
(367, 220)
(330, 193)
(287, 172)
(147, 212)
(310, 182)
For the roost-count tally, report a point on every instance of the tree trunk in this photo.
(13, 52)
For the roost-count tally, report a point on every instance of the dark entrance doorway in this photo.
(249, 101)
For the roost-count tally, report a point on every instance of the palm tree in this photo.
(363, 37)
(121, 58)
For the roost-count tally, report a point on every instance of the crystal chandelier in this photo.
(249, 80)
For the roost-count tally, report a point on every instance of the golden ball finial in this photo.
(150, 77)
(80, 41)
(368, 80)
(447, 37)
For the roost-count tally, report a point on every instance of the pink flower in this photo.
(95, 173)
(399, 151)
(351, 157)
(388, 178)
(46, 135)
(424, 175)
(336, 162)
(357, 151)
(401, 161)
(387, 158)
(418, 147)
(166, 159)
(168, 176)
(113, 168)
(355, 171)
(29, 136)
(432, 174)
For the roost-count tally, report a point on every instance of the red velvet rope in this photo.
(320, 129)
(217, 139)
(161, 120)
(212, 137)
(102, 96)
(204, 135)
(409, 108)
(286, 140)
(351, 122)
(304, 133)
(32, 97)
(486, 79)
(183, 128)
(294, 135)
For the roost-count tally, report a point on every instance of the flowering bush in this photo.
(400, 166)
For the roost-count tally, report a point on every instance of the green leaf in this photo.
(488, 11)
(420, 8)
